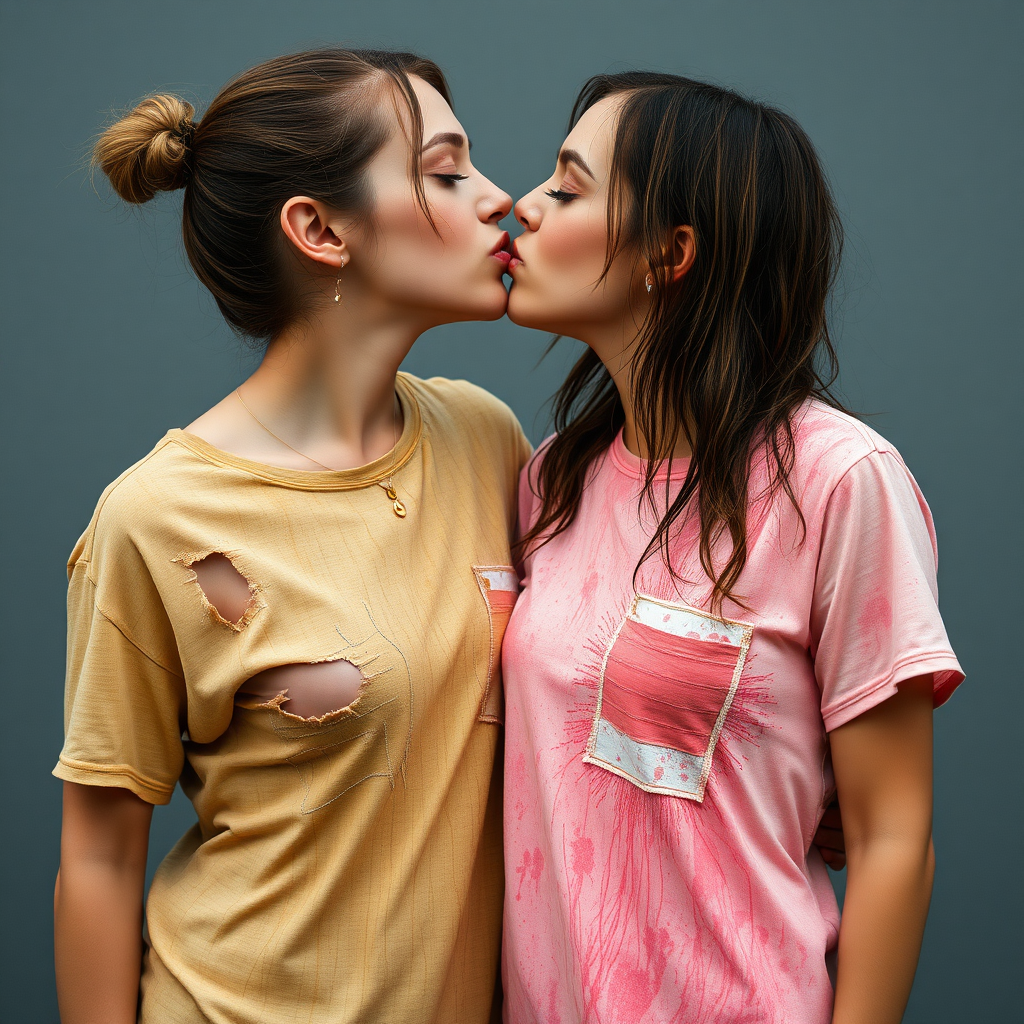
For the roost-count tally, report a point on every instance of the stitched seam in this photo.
(478, 571)
(590, 756)
(591, 747)
(408, 675)
(646, 787)
(124, 632)
(118, 769)
(881, 681)
(161, 444)
(748, 635)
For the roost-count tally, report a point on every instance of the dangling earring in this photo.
(648, 280)
(337, 284)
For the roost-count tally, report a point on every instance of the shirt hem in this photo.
(115, 776)
(947, 676)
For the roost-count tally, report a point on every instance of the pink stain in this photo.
(583, 855)
(633, 988)
(658, 773)
(877, 615)
(554, 1017)
(875, 622)
(532, 865)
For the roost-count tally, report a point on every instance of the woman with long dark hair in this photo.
(294, 606)
(729, 607)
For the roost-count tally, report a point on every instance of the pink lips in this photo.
(515, 259)
(500, 251)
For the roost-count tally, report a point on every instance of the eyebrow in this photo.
(570, 156)
(448, 139)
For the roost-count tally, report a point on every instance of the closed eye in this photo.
(450, 179)
(561, 196)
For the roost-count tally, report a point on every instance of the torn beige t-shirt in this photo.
(346, 867)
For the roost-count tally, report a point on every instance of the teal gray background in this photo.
(108, 340)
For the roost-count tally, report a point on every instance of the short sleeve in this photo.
(875, 619)
(123, 710)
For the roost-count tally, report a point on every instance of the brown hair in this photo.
(730, 351)
(304, 124)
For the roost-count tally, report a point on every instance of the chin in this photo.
(521, 313)
(495, 306)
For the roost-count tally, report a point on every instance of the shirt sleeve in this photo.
(123, 709)
(875, 618)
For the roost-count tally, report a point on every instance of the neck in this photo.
(328, 386)
(616, 350)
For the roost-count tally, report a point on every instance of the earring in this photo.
(337, 284)
(649, 281)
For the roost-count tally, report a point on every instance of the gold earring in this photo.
(648, 280)
(337, 284)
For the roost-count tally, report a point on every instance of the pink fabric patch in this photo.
(666, 690)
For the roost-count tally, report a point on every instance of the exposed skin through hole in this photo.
(224, 586)
(312, 690)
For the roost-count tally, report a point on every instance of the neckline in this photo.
(635, 468)
(322, 479)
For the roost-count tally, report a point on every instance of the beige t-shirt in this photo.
(344, 868)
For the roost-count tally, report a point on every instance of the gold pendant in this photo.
(396, 504)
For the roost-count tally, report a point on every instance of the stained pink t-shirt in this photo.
(666, 769)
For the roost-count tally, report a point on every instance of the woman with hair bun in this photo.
(728, 605)
(294, 605)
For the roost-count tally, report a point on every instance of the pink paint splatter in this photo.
(633, 989)
(553, 1017)
(532, 865)
(583, 855)
(658, 773)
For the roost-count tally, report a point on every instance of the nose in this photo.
(495, 205)
(528, 212)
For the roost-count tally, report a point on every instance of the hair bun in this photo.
(148, 150)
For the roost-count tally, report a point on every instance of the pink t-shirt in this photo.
(666, 769)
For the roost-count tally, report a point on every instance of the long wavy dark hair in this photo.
(730, 351)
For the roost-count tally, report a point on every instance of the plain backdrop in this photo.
(108, 340)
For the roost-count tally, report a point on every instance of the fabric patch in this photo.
(667, 683)
(499, 585)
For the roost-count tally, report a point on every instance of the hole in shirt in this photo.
(225, 587)
(308, 691)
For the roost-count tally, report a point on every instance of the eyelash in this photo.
(450, 179)
(560, 196)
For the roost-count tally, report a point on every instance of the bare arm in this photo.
(883, 769)
(98, 904)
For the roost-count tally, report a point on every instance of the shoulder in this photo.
(828, 443)
(463, 415)
(131, 501)
(458, 399)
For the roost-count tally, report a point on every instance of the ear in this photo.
(682, 251)
(312, 227)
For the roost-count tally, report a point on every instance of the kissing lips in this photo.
(500, 251)
(515, 260)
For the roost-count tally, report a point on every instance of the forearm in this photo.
(888, 890)
(98, 940)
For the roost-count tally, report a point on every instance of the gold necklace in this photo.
(389, 485)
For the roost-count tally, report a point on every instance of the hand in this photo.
(829, 837)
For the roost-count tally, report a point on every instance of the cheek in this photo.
(413, 251)
(556, 288)
(573, 245)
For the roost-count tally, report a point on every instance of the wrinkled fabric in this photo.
(666, 767)
(346, 867)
